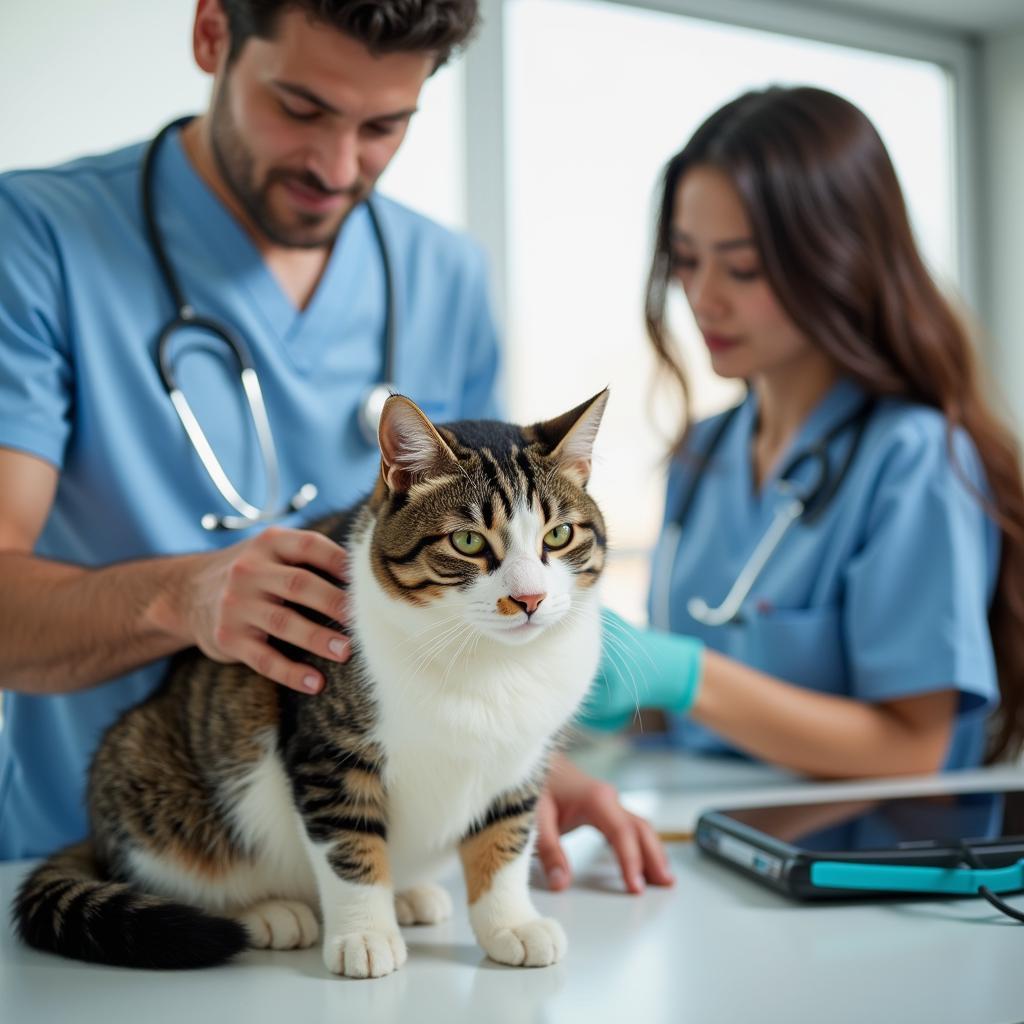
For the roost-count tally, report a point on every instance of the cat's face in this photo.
(487, 525)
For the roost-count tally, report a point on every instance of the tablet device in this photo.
(948, 843)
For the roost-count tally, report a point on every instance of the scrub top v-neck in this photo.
(885, 596)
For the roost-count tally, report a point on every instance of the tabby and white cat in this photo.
(228, 811)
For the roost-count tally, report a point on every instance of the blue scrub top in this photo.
(81, 304)
(884, 596)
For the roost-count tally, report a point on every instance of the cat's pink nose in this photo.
(528, 602)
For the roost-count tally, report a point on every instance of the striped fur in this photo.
(226, 811)
(65, 907)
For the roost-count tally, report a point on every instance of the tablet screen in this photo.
(853, 826)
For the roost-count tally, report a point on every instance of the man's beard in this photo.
(235, 163)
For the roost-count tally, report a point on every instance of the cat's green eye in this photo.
(558, 537)
(467, 542)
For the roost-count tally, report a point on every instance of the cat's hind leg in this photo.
(423, 904)
(280, 924)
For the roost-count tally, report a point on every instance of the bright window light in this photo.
(600, 95)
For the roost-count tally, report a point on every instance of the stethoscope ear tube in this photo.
(248, 514)
(185, 318)
(729, 609)
(661, 576)
(372, 403)
(805, 507)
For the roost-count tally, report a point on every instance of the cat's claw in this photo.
(538, 943)
(423, 904)
(364, 954)
(280, 924)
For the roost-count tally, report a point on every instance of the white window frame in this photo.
(956, 52)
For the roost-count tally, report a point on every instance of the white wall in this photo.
(1003, 170)
(86, 76)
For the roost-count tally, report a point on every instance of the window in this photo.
(599, 96)
(428, 171)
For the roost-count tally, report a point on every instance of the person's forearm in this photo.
(64, 628)
(815, 733)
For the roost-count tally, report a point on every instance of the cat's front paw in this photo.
(538, 943)
(364, 954)
(423, 904)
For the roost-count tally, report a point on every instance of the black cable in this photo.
(156, 244)
(972, 861)
(860, 419)
(390, 293)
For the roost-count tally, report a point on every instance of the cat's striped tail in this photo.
(66, 907)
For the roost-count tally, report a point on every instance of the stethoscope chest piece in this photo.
(370, 408)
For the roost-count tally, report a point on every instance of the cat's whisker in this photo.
(441, 627)
(436, 646)
(621, 650)
(469, 637)
(436, 624)
(433, 648)
(471, 653)
(628, 644)
(452, 616)
(619, 653)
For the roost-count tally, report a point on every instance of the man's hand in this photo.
(572, 798)
(230, 602)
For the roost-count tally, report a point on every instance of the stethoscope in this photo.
(186, 318)
(805, 504)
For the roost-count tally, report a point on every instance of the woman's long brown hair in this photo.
(837, 249)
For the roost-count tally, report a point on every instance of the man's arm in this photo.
(64, 628)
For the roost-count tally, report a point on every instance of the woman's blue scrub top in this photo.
(884, 596)
(81, 305)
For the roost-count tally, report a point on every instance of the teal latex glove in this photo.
(641, 668)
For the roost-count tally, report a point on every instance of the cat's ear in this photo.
(411, 449)
(570, 437)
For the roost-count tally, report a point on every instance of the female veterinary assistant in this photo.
(877, 633)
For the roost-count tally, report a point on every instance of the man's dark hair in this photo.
(383, 26)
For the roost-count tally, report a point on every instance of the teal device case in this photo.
(951, 844)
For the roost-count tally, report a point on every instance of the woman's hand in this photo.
(573, 798)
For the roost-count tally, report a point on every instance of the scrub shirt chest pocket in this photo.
(805, 646)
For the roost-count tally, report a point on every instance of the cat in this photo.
(229, 812)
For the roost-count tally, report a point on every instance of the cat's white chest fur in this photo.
(461, 721)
